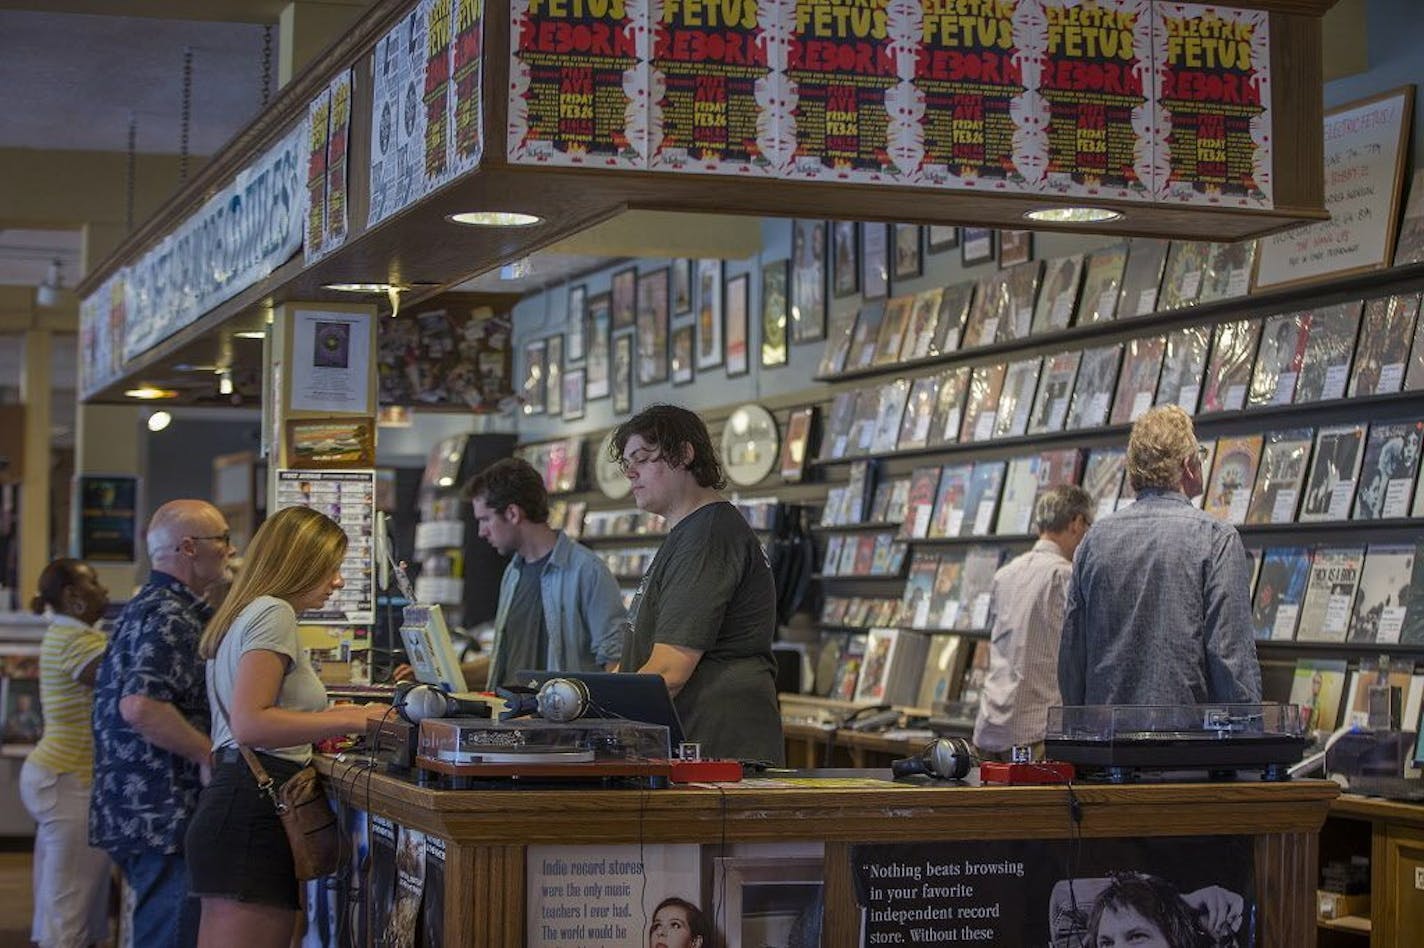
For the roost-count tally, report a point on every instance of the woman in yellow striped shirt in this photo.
(71, 878)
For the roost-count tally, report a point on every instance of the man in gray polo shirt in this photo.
(1159, 606)
(559, 607)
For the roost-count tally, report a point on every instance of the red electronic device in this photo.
(1041, 771)
(705, 771)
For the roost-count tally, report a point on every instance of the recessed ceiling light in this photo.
(250, 334)
(1074, 215)
(495, 219)
(149, 393)
(362, 287)
(159, 420)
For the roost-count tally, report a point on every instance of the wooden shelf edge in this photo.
(1355, 924)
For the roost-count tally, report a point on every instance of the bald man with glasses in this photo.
(151, 721)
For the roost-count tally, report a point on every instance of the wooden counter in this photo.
(486, 832)
(1392, 838)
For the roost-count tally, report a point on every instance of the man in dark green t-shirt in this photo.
(705, 613)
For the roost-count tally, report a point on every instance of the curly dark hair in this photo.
(511, 482)
(54, 579)
(671, 428)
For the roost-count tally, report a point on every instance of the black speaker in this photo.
(947, 758)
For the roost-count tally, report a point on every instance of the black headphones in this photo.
(947, 758)
(558, 699)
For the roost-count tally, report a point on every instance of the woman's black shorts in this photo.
(236, 847)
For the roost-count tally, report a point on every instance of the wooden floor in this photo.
(16, 903)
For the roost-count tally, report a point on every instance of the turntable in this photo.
(1120, 743)
(461, 750)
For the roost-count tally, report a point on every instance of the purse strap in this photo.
(265, 783)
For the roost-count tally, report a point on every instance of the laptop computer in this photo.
(642, 698)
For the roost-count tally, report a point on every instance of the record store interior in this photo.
(738, 473)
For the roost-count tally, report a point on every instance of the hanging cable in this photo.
(266, 65)
(130, 171)
(185, 120)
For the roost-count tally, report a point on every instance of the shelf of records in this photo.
(903, 668)
(1072, 298)
(559, 462)
(1324, 357)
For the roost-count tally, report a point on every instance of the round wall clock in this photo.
(749, 445)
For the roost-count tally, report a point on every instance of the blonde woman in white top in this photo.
(71, 878)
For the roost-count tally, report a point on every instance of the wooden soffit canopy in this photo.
(955, 112)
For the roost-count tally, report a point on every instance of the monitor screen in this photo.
(642, 698)
(429, 649)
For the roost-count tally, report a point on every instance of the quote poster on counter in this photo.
(1213, 96)
(712, 72)
(1166, 890)
(1093, 85)
(605, 896)
(970, 73)
(578, 83)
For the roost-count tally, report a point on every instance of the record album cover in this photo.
(1020, 489)
(919, 412)
(866, 337)
(1228, 492)
(889, 414)
(944, 667)
(862, 426)
(1182, 277)
(1386, 481)
(1317, 688)
(1282, 473)
(1059, 294)
(920, 505)
(949, 406)
(980, 565)
(1093, 391)
(1330, 594)
(982, 499)
(918, 596)
(840, 339)
(1102, 282)
(1055, 390)
(950, 500)
(954, 305)
(1383, 353)
(1183, 362)
(893, 328)
(1279, 359)
(1228, 373)
(947, 589)
(923, 329)
(990, 303)
(1325, 370)
(1059, 467)
(1103, 477)
(1285, 572)
(847, 672)
(985, 385)
(1334, 469)
(881, 502)
(1022, 291)
(835, 441)
(1016, 399)
(1228, 271)
(1383, 599)
(1141, 367)
(1142, 277)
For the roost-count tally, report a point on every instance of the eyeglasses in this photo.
(224, 538)
(627, 464)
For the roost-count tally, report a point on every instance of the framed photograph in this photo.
(976, 245)
(682, 341)
(533, 388)
(575, 389)
(1015, 247)
(575, 348)
(874, 262)
(794, 446)
(681, 287)
(763, 897)
(623, 374)
(625, 298)
(808, 280)
(773, 313)
(653, 327)
(108, 517)
(941, 238)
(909, 255)
(317, 443)
(711, 322)
(845, 258)
(599, 319)
(554, 376)
(738, 302)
